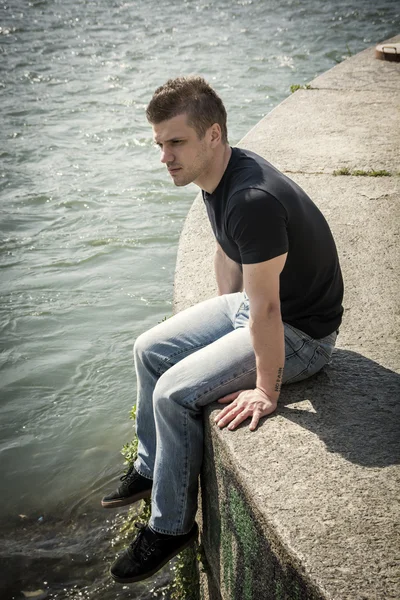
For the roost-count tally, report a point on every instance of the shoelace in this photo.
(137, 549)
(127, 474)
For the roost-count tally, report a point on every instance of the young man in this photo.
(275, 320)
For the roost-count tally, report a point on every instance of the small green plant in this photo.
(129, 450)
(349, 52)
(371, 173)
(342, 171)
(362, 172)
(128, 527)
(165, 318)
(186, 584)
(296, 86)
(344, 56)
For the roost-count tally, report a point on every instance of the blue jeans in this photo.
(183, 364)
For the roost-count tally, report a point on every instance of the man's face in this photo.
(187, 158)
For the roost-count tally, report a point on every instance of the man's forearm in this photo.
(268, 340)
(261, 281)
(227, 273)
(267, 334)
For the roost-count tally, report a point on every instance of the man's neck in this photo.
(211, 179)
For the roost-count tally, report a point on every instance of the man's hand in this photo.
(244, 404)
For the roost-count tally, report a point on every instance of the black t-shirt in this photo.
(257, 213)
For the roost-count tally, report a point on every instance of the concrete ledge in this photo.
(307, 506)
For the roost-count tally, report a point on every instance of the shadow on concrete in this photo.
(356, 409)
(353, 407)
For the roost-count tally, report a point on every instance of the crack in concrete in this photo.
(305, 172)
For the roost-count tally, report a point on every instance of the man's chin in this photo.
(181, 182)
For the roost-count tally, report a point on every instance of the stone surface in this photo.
(360, 73)
(194, 275)
(337, 128)
(321, 480)
(307, 506)
(364, 215)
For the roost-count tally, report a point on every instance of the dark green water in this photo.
(90, 224)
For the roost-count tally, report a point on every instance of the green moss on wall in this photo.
(228, 560)
(246, 538)
(246, 561)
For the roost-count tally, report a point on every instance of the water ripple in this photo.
(90, 223)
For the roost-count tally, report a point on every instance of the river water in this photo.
(90, 223)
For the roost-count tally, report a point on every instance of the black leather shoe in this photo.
(134, 487)
(148, 553)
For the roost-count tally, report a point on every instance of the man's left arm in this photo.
(261, 282)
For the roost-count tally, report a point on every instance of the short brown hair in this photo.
(191, 95)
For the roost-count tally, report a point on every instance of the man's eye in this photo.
(175, 142)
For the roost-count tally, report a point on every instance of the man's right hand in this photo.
(242, 405)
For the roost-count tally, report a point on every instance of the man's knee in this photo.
(140, 346)
(145, 346)
(164, 389)
(152, 350)
(170, 389)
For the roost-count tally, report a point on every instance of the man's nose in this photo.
(166, 156)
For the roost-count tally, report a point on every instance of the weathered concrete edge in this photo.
(194, 264)
(272, 571)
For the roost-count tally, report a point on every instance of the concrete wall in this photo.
(307, 506)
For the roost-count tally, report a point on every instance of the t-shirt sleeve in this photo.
(257, 223)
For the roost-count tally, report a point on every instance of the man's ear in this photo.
(215, 134)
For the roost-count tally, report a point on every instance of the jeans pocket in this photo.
(305, 356)
(325, 351)
(327, 344)
(243, 314)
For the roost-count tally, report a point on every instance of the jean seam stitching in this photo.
(322, 351)
(225, 382)
(141, 472)
(165, 360)
(307, 368)
(294, 351)
(186, 472)
(299, 332)
(239, 310)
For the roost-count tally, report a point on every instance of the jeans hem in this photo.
(165, 532)
(142, 473)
